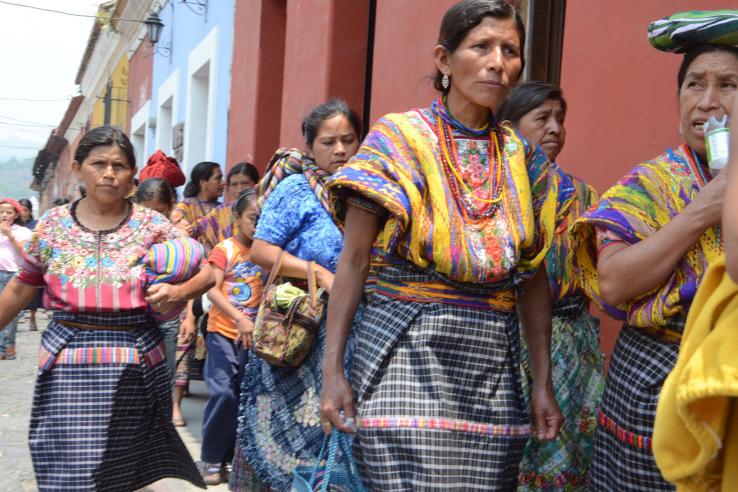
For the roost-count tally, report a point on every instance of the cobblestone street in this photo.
(17, 378)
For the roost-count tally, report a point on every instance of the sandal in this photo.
(212, 473)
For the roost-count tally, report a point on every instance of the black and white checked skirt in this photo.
(623, 460)
(439, 397)
(101, 416)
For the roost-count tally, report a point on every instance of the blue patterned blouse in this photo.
(293, 219)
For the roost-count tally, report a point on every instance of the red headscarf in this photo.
(166, 168)
(15, 204)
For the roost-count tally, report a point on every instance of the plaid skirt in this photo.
(577, 371)
(278, 419)
(439, 397)
(101, 416)
(623, 460)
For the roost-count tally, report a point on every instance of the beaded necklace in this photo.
(702, 175)
(472, 206)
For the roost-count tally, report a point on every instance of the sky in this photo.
(40, 56)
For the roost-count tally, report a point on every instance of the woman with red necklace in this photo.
(463, 212)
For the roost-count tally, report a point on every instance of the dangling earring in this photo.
(445, 82)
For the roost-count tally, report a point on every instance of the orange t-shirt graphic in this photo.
(243, 285)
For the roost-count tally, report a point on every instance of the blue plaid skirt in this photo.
(278, 422)
(101, 416)
(623, 460)
(439, 397)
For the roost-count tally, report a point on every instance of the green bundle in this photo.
(685, 30)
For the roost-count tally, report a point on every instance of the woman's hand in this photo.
(187, 329)
(6, 228)
(707, 206)
(545, 414)
(324, 277)
(335, 398)
(245, 329)
(164, 297)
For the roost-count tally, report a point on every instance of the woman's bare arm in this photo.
(629, 271)
(534, 309)
(353, 267)
(168, 295)
(14, 297)
(265, 255)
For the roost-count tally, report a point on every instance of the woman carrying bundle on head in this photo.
(643, 250)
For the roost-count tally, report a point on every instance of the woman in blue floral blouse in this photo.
(279, 426)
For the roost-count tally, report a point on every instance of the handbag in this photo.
(329, 474)
(284, 336)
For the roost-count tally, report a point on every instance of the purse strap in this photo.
(312, 284)
(275, 271)
(312, 280)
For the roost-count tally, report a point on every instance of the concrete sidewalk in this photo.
(17, 378)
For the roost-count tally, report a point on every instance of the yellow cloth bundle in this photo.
(695, 439)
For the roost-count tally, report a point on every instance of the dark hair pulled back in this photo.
(692, 55)
(464, 16)
(246, 169)
(525, 97)
(334, 107)
(243, 200)
(103, 136)
(156, 189)
(203, 170)
(25, 202)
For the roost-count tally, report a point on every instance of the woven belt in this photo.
(86, 326)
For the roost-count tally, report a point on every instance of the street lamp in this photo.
(154, 26)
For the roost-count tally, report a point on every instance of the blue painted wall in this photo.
(185, 29)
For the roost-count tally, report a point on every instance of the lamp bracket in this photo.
(199, 7)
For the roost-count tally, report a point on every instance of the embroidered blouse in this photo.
(294, 219)
(560, 259)
(645, 200)
(96, 272)
(215, 227)
(470, 221)
(192, 210)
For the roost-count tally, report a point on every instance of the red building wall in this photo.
(140, 68)
(289, 57)
(256, 81)
(405, 34)
(325, 57)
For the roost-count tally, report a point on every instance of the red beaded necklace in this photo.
(473, 206)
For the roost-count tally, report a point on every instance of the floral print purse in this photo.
(284, 335)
